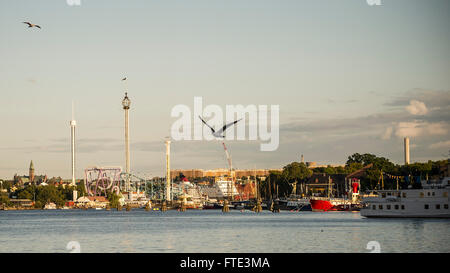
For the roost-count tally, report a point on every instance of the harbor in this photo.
(298, 186)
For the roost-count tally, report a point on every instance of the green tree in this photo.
(113, 199)
(353, 166)
(275, 180)
(7, 184)
(373, 174)
(4, 199)
(81, 189)
(50, 193)
(283, 181)
(296, 172)
(27, 192)
(38, 205)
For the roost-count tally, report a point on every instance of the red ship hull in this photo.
(322, 205)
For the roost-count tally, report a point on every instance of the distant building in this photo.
(199, 173)
(92, 201)
(21, 202)
(31, 178)
(313, 165)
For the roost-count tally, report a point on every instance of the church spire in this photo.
(31, 172)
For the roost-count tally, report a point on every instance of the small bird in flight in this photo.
(220, 132)
(124, 79)
(31, 25)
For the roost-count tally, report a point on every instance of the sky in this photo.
(348, 77)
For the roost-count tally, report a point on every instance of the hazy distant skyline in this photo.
(348, 77)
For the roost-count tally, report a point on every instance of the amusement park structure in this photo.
(168, 184)
(126, 102)
(73, 124)
(101, 180)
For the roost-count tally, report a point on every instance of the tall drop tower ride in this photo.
(126, 106)
(168, 186)
(73, 124)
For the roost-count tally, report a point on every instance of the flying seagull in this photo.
(124, 79)
(220, 132)
(31, 25)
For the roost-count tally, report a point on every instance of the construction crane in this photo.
(230, 166)
(228, 158)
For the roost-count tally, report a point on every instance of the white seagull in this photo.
(31, 25)
(220, 132)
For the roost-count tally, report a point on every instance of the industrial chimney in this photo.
(406, 150)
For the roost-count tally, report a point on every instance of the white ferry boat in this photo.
(429, 202)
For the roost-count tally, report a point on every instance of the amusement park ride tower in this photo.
(73, 124)
(168, 186)
(126, 106)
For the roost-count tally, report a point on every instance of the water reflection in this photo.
(212, 231)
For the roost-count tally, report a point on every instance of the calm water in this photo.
(212, 231)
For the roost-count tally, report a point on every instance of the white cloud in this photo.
(436, 128)
(387, 133)
(410, 129)
(441, 144)
(416, 107)
(416, 128)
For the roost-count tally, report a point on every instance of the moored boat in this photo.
(430, 201)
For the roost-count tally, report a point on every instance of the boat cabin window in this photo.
(421, 194)
(428, 193)
(445, 206)
(388, 207)
(403, 206)
(380, 206)
(432, 193)
(404, 195)
(396, 206)
(438, 206)
(374, 207)
(383, 194)
(389, 194)
(445, 194)
(427, 206)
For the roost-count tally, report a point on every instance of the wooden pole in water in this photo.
(225, 208)
(164, 206)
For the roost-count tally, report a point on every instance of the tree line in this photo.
(42, 195)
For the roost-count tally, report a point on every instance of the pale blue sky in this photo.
(342, 72)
